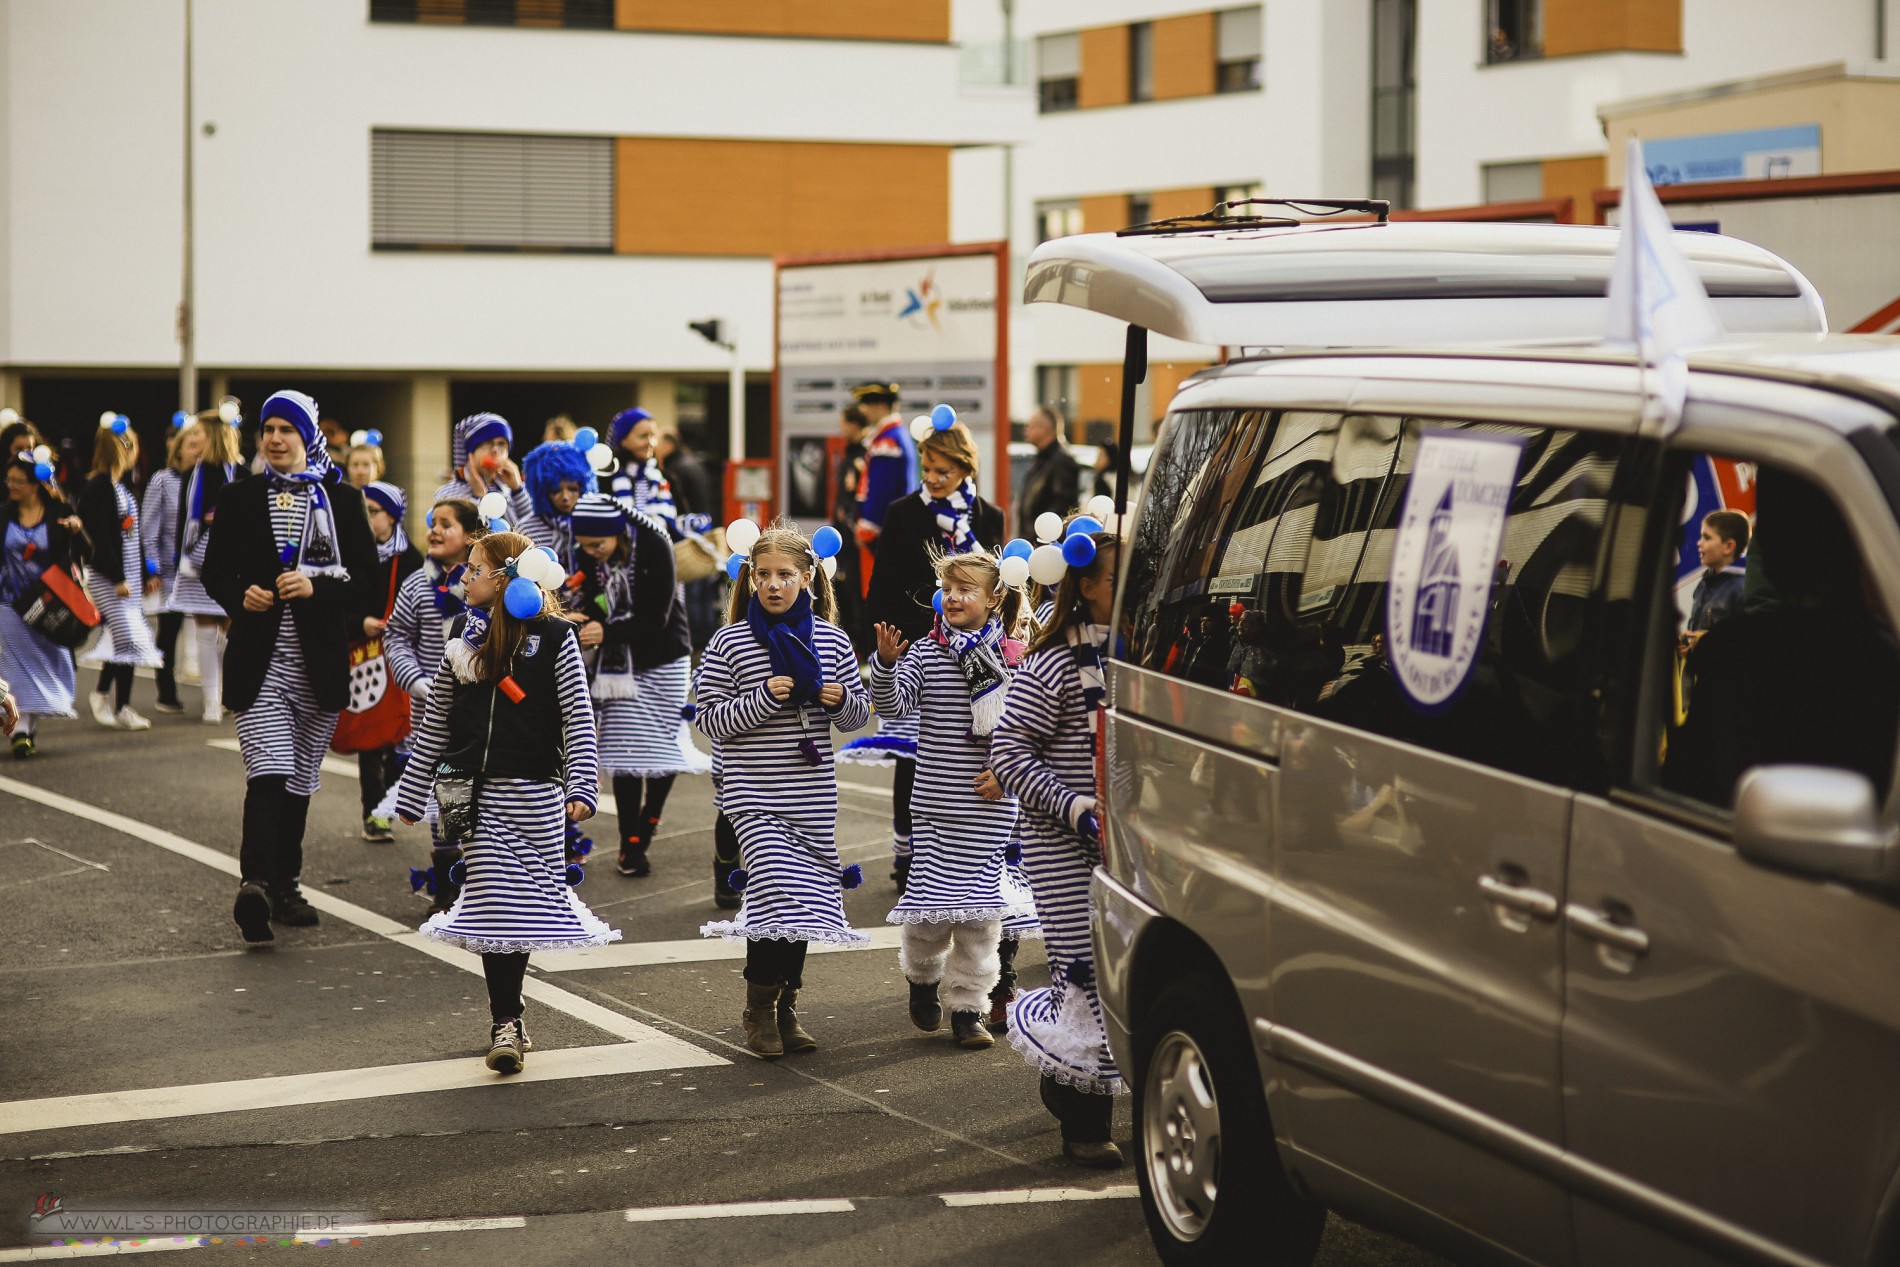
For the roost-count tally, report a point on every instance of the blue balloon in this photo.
(119, 424)
(586, 438)
(733, 564)
(942, 417)
(43, 472)
(1084, 523)
(498, 524)
(373, 436)
(826, 542)
(523, 598)
(936, 600)
(1018, 549)
(179, 418)
(428, 520)
(1079, 551)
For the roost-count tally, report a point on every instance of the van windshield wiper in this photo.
(1218, 218)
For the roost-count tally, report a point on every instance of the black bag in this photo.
(55, 608)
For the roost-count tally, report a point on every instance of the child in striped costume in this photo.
(959, 889)
(1044, 753)
(478, 450)
(640, 484)
(202, 485)
(427, 603)
(509, 724)
(118, 576)
(771, 686)
(158, 536)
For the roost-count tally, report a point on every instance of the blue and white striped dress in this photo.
(644, 735)
(417, 631)
(158, 532)
(958, 873)
(515, 896)
(188, 590)
(127, 638)
(285, 731)
(782, 806)
(520, 505)
(1044, 752)
(40, 672)
(643, 487)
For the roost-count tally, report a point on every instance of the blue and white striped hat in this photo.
(388, 496)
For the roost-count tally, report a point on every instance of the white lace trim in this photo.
(960, 915)
(1043, 1063)
(732, 930)
(514, 946)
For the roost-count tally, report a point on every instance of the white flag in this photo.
(1657, 303)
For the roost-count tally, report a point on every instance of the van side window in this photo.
(1764, 647)
(1220, 551)
(1522, 703)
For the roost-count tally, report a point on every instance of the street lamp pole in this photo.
(735, 414)
(187, 335)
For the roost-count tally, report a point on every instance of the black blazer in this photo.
(243, 552)
(99, 511)
(902, 578)
(657, 633)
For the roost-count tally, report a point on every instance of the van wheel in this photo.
(1212, 1185)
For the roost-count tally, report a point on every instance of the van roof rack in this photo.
(1314, 208)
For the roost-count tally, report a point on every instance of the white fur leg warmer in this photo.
(973, 967)
(921, 950)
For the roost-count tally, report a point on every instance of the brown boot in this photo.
(760, 1019)
(789, 1030)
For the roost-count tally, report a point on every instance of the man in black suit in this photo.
(292, 559)
(1053, 482)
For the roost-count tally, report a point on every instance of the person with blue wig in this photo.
(556, 476)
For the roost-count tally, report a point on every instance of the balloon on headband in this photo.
(829, 566)
(1014, 569)
(1017, 549)
(116, 423)
(600, 456)
(936, 600)
(43, 471)
(1101, 506)
(42, 453)
(179, 419)
(9, 416)
(920, 428)
(1082, 523)
(742, 535)
(734, 562)
(943, 417)
(1078, 551)
(1047, 564)
(492, 507)
(586, 438)
(825, 543)
(228, 409)
(370, 436)
(522, 598)
(1048, 526)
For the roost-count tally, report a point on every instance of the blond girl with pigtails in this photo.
(771, 686)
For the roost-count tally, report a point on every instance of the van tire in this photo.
(1212, 1186)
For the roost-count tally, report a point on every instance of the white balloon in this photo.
(830, 564)
(1015, 570)
(920, 428)
(529, 565)
(8, 416)
(1047, 565)
(228, 410)
(1101, 506)
(105, 419)
(741, 536)
(43, 454)
(358, 437)
(1048, 526)
(494, 506)
(600, 457)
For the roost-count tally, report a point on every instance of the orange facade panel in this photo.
(1104, 213)
(1100, 389)
(1184, 52)
(682, 196)
(1165, 204)
(1575, 179)
(1609, 26)
(1104, 79)
(926, 21)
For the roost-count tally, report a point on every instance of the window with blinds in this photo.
(594, 14)
(491, 191)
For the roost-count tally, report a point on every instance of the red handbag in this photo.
(378, 715)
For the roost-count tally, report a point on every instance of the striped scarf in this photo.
(953, 515)
(983, 660)
(1086, 643)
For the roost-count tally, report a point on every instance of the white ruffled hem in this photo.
(1046, 1065)
(152, 660)
(956, 915)
(1063, 1051)
(515, 946)
(732, 930)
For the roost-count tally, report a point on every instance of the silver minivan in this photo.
(1452, 881)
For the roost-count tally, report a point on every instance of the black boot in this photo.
(288, 905)
(968, 1030)
(1085, 1120)
(252, 913)
(725, 862)
(441, 859)
(926, 1013)
(1004, 992)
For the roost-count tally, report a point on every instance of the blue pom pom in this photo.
(1079, 551)
(852, 876)
(498, 524)
(1018, 549)
(942, 417)
(522, 598)
(733, 564)
(151, 567)
(119, 425)
(1013, 853)
(826, 542)
(43, 472)
(418, 878)
(575, 874)
(688, 712)
(936, 600)
(458, 873)
(1083, 523)
(586, 438)
(585, 846)
(373, 436)
(179, 418)
(736, 879)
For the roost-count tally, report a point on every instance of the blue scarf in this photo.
(953, 516)
(1086, 642)
(447, 586)
(787, 641)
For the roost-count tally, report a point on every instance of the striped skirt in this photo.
(188, 596)
(959, 877)
(794, 887)
(646, 737)
(1059, 1029)
(515, 896)
(126, 639)
(40, 672)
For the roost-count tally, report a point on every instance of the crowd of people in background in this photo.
(560, 620)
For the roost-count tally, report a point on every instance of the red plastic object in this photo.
(512, 689)
(125, 524)
(575, 581)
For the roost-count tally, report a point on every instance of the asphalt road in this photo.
(154, 1062)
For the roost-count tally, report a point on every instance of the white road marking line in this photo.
(53, 1253)
(642, 954)
(741, 1210)
(654, 1043)
(1034, 1196)
(415, 1228)
(358, 1231)
(110, 1107)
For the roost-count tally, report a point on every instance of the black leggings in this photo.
(505, 973)
(377, 769)
(116, 678)
(775, 961)
(169, 623)
(900, 800)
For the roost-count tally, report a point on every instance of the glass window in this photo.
(1239, 193)
(1394, 146)
(1513, 182)
(1237, 50)
(1140, 208)
(1514, 30)
(1058, 219)
(1058, 71)
(1141, 62)
(1763, 647)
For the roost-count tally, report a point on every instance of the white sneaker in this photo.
(129, 720)
(101, 702)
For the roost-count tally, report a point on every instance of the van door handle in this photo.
(1619, 942)
(1511, 902)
